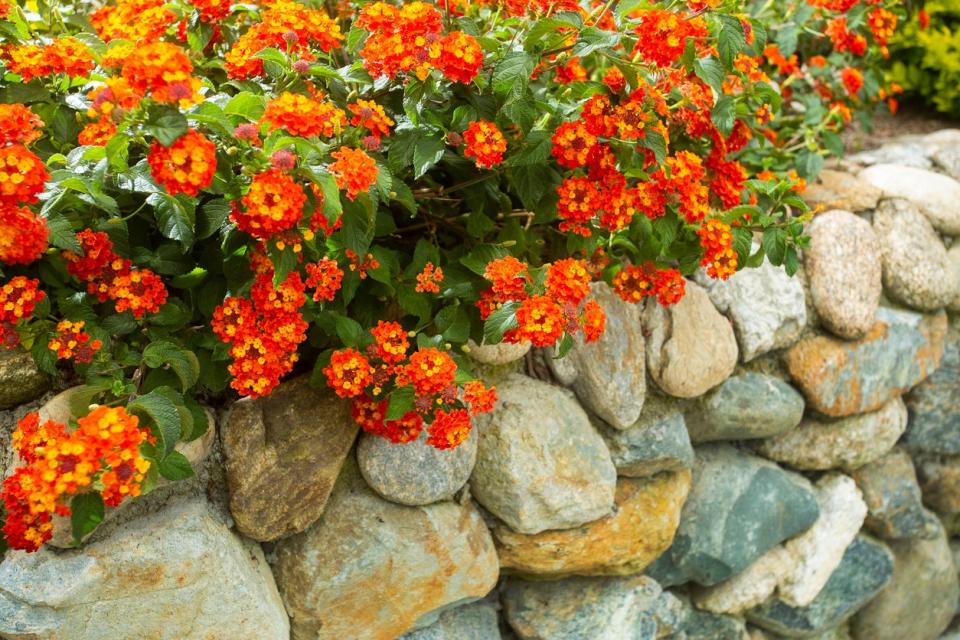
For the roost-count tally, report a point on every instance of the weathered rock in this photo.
(894, 503)
(921, 599)
(498, 354)
(473, 621)
(747, 589)
(766, 306)
(657, 442)
(690, 348)
(20, 380)
(745, 406)
(936, 196)
(179, 573)
(906, 153)
(739, 507)
(953, 255)
(842, 378)
(842, 266)
(864, 570)
(415, 473)
(944, 149)
(841, 190)
(940, 483)
(578, 608)
(283, 453)
(368, 569)
(934, 407)
(916, 270)
(640, 529)
(610, 374)
(540, 463)
(847, 443)
(703, 625)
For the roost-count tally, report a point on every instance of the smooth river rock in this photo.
(894, 502)
(843, 268)
(936, 196)
(369, 569)
(540, 463)
(745, 406)
(282, 455)
(840, 378)
(934, 407)
(841, 190)
(641, 528)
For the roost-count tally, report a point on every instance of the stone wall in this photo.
(772, 457)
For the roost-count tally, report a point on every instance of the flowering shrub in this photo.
(199, 198)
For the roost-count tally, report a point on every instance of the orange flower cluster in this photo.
(484, 143)
(22, 175)
(883, 24)
(361, 265)
(662, 35)
(843, 39)
(18, 298)
(164, 70)
(353, 170)
(324, 277)
(72, 341)
(18, 124)
(186, 166)
(23, 235)
(110, 277)
(852, 80)
(634, 283)
(274, 203)
(408, 39)
(103, 452)
(264, 332)
(285, 25)
(302, 116)
(68, 56)
(428, 280)
(718, 254)
(212, 10)
(429, 372)
(371, 116)
(139, 21)
(686, 182)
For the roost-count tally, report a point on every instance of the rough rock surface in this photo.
(847, 443)
(747, 589)
(936, 196)
(940, 483)
(894, 503)
(842, 266)
(901, 153)
(640, 529)
(841, 190)
(498, 354)
(953, 255)
(691, 348)
(739, 507)
(20, 380)
(610, 374)
(540, 463)
(842, 378)
(745, 406)
(934, 406)
(766, 306)
(657, 442)
(415, 473)
(473, 621)
(921, 599)
(390, 564)
(179, 573)
(916, 269)
(283, 455)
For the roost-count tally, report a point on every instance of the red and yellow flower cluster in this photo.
(73, 342)
(102, 454)
(484, 143)
(429, 373)
(23, 234)
(67, 56)
(18, 298)
(186, 166)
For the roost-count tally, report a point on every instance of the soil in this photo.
(913, 118)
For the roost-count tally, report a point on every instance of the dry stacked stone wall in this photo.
(772, 457)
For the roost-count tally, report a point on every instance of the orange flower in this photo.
(572, 143)
(633, 283)
(458, 56)
(18, 124)
(139, 21)
(614, 79)
(186, 166)
(348, 373)
(18, 297)
(303, 116)
(28, 61)
(430, 371)
(428, 280)
(852, 80)
(212, 10)
(406, 429)
(23, 235)
(580, 200)
(274, 203)
(391, 342)
(568, 281)
(371, 116)
(449, 428)
(662, 35)
(508, 278)
(324, 277)
(97, 133)
(22, 175)
(353, 170)
(480, 398)
(164, 70)
(716, 239)
(593, 320)
(541, 322)
(139, 291)
(69, 56)
(485, 144)
(72, 341)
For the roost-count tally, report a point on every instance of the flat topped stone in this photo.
(936, 195)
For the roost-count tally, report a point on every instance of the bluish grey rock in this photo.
(934, 407)
(666, 572)
(739, 507)
(633, 608)
(703, 625)
(745, 406)
(893, 497)
(473, 621)
(865, 569)
(657, 442)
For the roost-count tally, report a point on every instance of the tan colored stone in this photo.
(282, 456)
(841, 190)
(640, 529)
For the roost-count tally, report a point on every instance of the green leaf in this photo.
(724, 114)
(400, 402)
(592, 39)
(246, 104)
(809, 164)
(536, 150)
(348, 330)
(166, 125)
(710, 71)
(43, 357)
(481, 255)
(175, 466)
(213, 215)
(426, 153)
(499, 322)
(731, 39)
(453, 323)
(358, 224)
(86, 514)
(175, 218)
(118, 151)
(163, 415)
(182, 362)
(513, 72)
(791, 262)
(532, 182)
(775, 246)
(61, 233)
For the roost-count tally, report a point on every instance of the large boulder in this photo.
(609, 375)
(916, 269)
(840, 190)
(921, 599)
(415, 473)
(845, 443)
(745, 406)
(766, 306)
(639, 530)
(739, 507)
(178, 573)
(894, 502)
(842, 266)
(691, 348)
(934, 406)
(20, 380)
(283, 454)
(540, 463)
(368, 569)
(657, 442)
(936, 196)
(841, 378)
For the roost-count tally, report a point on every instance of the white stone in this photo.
(936, 195)
(749, 588)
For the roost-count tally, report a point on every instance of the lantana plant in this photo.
(199, 198)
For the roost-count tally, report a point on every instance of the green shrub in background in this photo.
(925, 56)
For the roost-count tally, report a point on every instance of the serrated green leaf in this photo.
(61, 233)
(212, 216)
(182, 362)
(513, 71)
(175, 466)
(427, 152)
(162, 415)
(86, 514)
(710, 71)
(399, 403)
(175, 218)
(499, 322)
